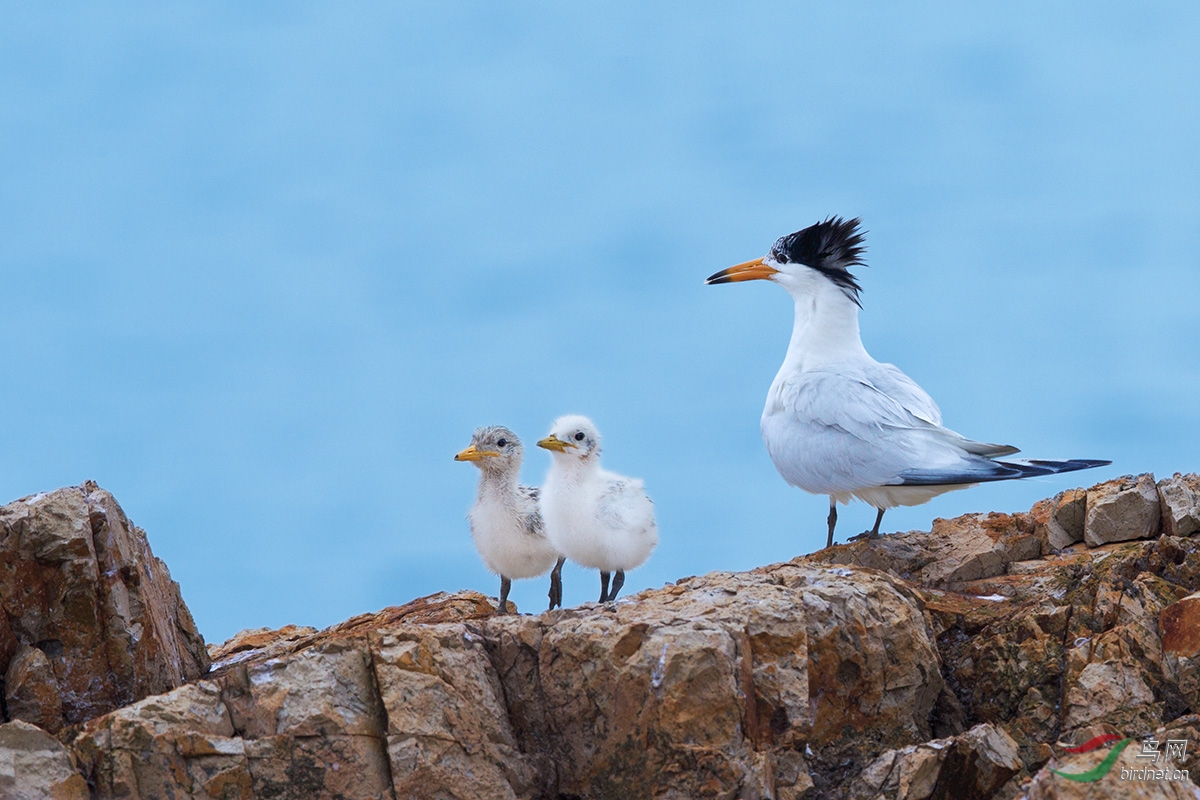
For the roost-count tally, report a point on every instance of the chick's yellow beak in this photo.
(552, 442)
(754, 270)
(473, 453)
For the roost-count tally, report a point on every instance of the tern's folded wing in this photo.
(831, 432)
(985, 470)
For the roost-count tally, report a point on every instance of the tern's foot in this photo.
(865, 536)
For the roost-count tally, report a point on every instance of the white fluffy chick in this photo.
(505, 522)
(594, 517)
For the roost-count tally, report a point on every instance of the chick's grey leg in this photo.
(604, 586)
(556, 584)
(505, 585)
(618, 582)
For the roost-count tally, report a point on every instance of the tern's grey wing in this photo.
(888, 379)
(530, 514)
(835, 432)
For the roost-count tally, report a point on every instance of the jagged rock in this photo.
(1121, 510)
(1059, 521)
(309, 728)
(955, 552)
(1179, 626)
(31, 690)
(943, 665)
(35, 766)
(972, 766)
(1037, 649)
(447, 729)
(1180, 504)
(296, 714)
(179, 742)
(253, 641)
(711, 687)
(80, 585)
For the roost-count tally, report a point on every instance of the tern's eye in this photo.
(579, 436)
(502, 443)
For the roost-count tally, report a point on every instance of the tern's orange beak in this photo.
(754, 270)
(552, 442)
(473, 453)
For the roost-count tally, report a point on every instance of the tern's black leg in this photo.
(874, 532)
(832, 520)
(878, 519)
(618, 582)
(556, 584)
(604, 587)
(505, 585)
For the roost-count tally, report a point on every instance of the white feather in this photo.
(507, 541)
(594, 517)
(505, 523)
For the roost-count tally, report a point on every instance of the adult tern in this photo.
(839, 423)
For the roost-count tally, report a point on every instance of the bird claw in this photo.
(866, 536)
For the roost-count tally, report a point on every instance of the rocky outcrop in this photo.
(35, 766)
(973, 765)
(90, 620)
(703, 688)
(960, 663)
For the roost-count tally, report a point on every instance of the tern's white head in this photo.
(807, 261)
(494, 449)
(572, 437)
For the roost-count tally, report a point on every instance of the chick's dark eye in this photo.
(502, 443)
(579, 436)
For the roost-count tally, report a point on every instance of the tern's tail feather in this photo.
(985, 470)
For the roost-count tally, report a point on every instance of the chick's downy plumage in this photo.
(594, 517)
(505, 522)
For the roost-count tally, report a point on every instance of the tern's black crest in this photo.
(830, 247)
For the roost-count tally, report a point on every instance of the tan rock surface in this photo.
(78, 583)
(1180, 496)
(957, 551)
(971, 766)
(448, 733)
(35, 766)
(705, 688)
(1059, 521)
(31, 690)
(1122, 509)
